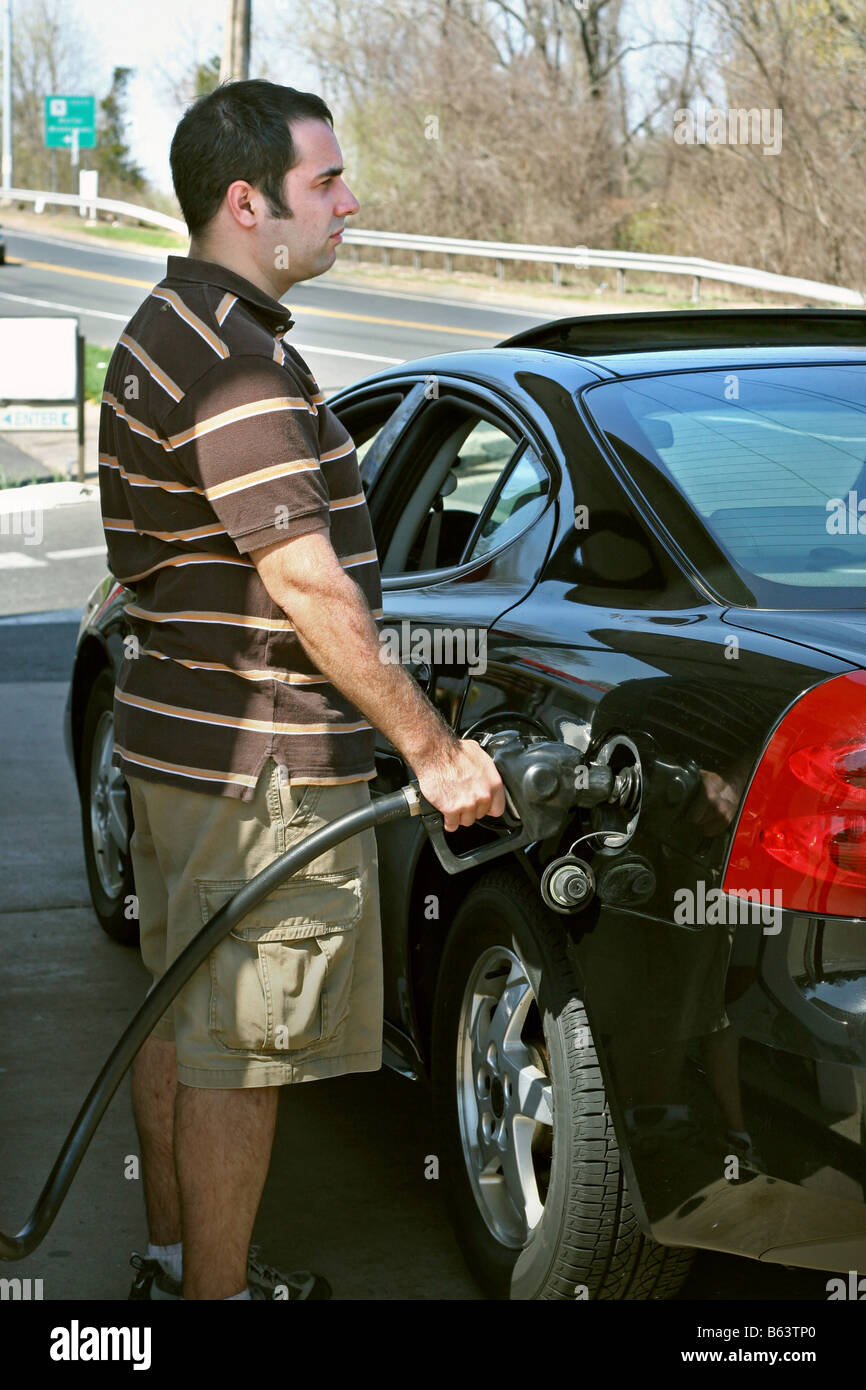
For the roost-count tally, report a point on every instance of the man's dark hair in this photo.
(238, 131)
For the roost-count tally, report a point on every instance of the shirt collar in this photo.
(279, 318)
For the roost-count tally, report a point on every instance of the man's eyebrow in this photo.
(329, 173)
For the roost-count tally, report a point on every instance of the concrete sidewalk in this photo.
(30, 457)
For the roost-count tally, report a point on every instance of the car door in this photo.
(463, 498)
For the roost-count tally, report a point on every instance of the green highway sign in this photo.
(65, 114)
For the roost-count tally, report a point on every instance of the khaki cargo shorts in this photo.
(294, 992)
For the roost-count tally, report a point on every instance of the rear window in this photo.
(759, 474)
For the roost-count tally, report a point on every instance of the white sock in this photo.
(170, 1257)
(233, 1296)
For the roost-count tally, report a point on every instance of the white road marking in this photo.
(72, 308)
(124, 318)
(109, 250)
(81, 552)
(20, 560)
(340, 352)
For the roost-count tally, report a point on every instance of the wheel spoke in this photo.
(117, 827)
(519, 1171)
(510, 1014)
(531, 1091)
(485, 1008)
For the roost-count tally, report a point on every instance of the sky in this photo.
(148, 35)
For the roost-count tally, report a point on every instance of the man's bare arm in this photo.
(333, 622)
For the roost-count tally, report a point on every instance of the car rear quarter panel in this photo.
(723, 1022)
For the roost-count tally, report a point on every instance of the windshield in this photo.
(759, 474)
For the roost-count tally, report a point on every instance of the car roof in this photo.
(625, 344)
(590, 347)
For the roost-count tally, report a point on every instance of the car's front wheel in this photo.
(106, 817)
(528, 1154)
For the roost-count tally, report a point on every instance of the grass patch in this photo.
(96, 361)
(54, 477)
(151, 236)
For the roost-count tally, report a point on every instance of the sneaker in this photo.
(151, 1281)
(264, 1281)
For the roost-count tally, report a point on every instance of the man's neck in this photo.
(217, 255)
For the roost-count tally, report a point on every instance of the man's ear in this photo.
(244, 203)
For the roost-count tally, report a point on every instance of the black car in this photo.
(643, 536)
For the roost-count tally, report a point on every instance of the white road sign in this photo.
(38, 417)
(37, 359)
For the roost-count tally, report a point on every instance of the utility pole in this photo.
(236, 41)
(6, 159)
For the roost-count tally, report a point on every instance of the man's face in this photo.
(303, 246)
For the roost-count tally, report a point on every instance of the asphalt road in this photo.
(348, 330)
(346, 1193)
(52, 546)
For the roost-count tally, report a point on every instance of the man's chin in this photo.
(312, 269)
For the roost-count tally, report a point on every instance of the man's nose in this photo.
(349, 205)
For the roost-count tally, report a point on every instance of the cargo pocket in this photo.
(281, 981)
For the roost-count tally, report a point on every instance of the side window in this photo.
(362, 447)
(442, 537)
(452, 484)
(366, 422)
(521, 499)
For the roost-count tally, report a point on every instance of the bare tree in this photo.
(47, 57)
(552, 120)
(801, 210)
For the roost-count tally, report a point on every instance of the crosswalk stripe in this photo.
(19, 560)
(80, 552)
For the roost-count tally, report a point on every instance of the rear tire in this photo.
(106, 817)
(512, 1056)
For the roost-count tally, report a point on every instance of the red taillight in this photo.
(802, 829)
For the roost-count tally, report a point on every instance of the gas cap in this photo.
(567, 884)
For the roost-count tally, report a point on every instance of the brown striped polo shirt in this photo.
(214, 440)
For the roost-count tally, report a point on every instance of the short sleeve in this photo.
(248, 437)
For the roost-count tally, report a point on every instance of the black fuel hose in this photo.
(394, 806)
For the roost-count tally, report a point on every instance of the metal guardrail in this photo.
(43, 200)
(583, 257)
(578, 257)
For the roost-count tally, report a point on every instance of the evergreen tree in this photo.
(112, 156)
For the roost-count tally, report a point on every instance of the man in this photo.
(233, 508)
